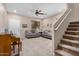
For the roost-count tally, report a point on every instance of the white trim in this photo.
(62, 20)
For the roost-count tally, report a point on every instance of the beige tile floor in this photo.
(36, 47)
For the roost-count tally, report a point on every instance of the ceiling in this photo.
(28, 9)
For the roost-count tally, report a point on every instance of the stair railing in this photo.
(61, 19)
(59, 28)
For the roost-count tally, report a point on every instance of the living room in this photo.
(32, 24)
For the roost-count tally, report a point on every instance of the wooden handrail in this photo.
(62, 20)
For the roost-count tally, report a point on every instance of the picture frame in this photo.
(24, 25)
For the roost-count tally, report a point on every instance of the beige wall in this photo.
(46, 24)
(51, 21)
(74, 16)
(23, 20)
(28, 21)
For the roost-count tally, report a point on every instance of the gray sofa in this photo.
(45, 34)
(32, 34)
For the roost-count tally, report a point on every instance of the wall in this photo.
(74, 16)
(23, 20)
(28, 21)
(47, 23)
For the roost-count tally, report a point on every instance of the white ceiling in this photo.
(28, 9)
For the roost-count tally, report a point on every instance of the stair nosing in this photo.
(71, 35)
(74, 27)
(71, 31)
(72, 41)
(73, 24)
(63, 54)
(69, 47)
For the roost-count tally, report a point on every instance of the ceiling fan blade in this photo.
(40, 11)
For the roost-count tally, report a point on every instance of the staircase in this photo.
(69, 45)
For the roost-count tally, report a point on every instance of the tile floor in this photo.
(36, 47)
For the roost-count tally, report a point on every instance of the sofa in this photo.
(32, 34)
(47, 34)
(44, 34)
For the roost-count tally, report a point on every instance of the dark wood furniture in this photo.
(8, 44)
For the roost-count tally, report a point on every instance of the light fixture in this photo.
(39, 12)
(59, 10)
(14, 11)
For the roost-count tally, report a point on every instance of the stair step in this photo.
(73, 37)
(73, 25)
(69, 47)
(63, 53)
(71, 41)
(76, 22)
(72, 32)
(73, 28)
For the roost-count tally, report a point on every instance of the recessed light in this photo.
(14, 11)
(59, 10)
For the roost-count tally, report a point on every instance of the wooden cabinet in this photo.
(9, 45)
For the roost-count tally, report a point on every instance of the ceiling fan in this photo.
(39, 12)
